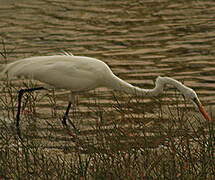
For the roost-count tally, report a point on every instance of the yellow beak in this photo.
(202, 110)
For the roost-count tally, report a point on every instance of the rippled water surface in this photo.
(139, 40)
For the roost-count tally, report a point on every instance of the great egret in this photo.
(79, 73)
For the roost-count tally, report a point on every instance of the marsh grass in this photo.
(123, 138)
(118, 144)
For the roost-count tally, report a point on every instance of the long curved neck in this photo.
(119, 84)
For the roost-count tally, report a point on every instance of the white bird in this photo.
(79, 73)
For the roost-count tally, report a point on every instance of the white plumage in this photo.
(79, 73)
(69, 72)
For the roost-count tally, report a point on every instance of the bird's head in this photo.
(190, 95)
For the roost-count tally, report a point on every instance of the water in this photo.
(139, 40)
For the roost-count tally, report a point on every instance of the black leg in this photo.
(20, 94)
(65, 117)
(66, 114)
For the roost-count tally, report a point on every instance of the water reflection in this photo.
(139, 41)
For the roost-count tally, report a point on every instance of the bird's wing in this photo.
(59, 71)
(67, 75)
(72, 72)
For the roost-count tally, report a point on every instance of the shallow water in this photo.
(138, 40)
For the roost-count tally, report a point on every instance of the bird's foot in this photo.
(64, 121)
(65, 124)
(19, 132)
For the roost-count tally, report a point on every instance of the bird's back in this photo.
(77, 73)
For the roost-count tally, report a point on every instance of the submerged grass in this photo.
(126, 138)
